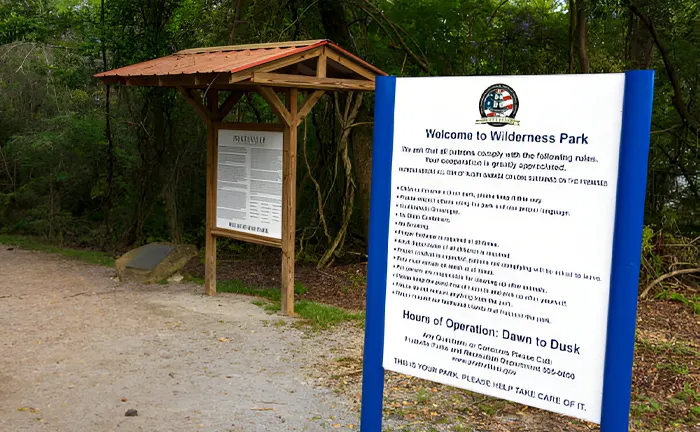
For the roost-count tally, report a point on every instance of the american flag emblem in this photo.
(498, 106)
(498, 103)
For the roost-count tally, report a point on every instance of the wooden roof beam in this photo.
(251, 47)
(289, 60)
(316, 83)
(349, 64)
(112, 80)
(186, 81)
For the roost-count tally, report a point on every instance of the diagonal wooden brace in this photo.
(203, 111)
(308, 105)
(276, 104)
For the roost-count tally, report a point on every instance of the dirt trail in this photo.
(73, 343)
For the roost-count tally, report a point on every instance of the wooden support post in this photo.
(289, 191)
(321, 65)
(210, 248)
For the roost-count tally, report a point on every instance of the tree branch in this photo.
(667, 276)
(319, 194)
(670, 69)
(493, 14)
(421, 63)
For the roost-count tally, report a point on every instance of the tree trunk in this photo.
(107, 205)
(172, 209)
(346, 120)
(51, 205)
(582, 35)
(335, 24)
(236, 18)
(572, 35)
(641, 44)
(362, 164)
(110, 164)
(171, 155)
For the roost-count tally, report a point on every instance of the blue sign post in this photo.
(626, 244)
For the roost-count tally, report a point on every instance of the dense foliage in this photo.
(113, 167)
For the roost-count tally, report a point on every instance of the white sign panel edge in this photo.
(424, 105)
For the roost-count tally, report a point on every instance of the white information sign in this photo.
(249, 182)
(503, 195)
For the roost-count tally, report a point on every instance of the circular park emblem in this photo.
(498, 106)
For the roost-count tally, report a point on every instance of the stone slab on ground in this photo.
(153, 262)
(149, 256)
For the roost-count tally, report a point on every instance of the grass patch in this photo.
(272, 307)
(299, 288)
(487, 409)
(423, 396)
(644, 406)
(323, 316)
(28, 243)
(320, 316)
(675, 348)
(676, 368)
(357, 281)
(688, 394)
(235, 286)
(279, 323)
(693, 302)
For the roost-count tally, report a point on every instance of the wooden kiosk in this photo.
(202, 75)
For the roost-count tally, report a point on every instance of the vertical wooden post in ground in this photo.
(289, 191)
(290, 114)
(210, 248)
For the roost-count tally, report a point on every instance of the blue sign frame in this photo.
(626, 256)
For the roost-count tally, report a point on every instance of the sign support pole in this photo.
(624, 280)
(210, 239)
(289, 189)
(372, 370)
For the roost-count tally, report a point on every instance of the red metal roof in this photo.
(227, 59)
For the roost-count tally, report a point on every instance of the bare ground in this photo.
(665, 393)
(78, 349)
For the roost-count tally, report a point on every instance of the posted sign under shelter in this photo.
(249, 182)
(495, 252)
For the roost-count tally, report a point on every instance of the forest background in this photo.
(94, 166)
(102, 169)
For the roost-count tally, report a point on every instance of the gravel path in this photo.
(77, 349)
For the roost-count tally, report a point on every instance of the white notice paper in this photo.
(249, 182)
(503, 194)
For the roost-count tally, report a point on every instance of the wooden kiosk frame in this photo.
(202, 74)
